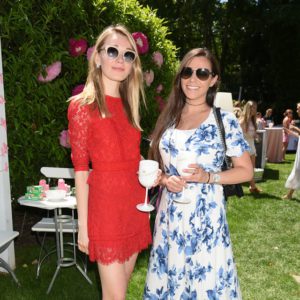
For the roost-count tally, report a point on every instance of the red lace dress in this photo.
(116, 228)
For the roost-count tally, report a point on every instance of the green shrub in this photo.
(35, 34)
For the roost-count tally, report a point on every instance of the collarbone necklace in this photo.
(192, 104)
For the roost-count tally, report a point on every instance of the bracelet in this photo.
(208, 177)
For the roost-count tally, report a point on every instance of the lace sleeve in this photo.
(78, 117)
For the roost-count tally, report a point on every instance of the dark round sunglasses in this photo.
(113, 53)
(201, 73)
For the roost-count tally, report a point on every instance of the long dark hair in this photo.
(176, 101)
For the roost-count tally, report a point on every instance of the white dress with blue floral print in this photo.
(191, 257)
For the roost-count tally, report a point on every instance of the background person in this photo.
(260, 122)
(293, 181)
(268, 117)
(249, 127)
(104, 130)
(191, 257)
(286, 122)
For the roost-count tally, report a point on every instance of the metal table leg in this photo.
(62, 261)
(7, 267)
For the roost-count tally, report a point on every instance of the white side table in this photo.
(59, 220)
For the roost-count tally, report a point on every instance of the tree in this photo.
(257, 43)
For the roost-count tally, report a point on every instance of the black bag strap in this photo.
(218, 117)
(220, 124)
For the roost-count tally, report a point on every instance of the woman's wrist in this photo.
(215, 178)
(163, 179)
(82, 225)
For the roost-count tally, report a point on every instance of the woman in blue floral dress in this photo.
(191, 257)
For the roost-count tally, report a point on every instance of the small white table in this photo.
(59, 220)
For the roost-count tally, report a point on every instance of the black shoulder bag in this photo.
(229, 189)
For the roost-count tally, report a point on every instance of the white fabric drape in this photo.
(5, 196)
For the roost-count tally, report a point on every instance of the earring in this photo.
(98, 65)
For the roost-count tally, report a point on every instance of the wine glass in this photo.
(184, 159)
(147, 175)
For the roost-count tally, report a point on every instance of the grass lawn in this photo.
(266, 243)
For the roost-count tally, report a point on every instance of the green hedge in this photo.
(35, 34)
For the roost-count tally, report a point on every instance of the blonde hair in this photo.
(248, 115)
(130, 89)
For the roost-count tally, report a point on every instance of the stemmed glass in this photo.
(184, 159)
(148, 170)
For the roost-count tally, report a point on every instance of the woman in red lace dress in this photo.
(105, 136)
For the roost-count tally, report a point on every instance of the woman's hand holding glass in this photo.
(149, 176)
(158, 178)
(174, 184)
(194, 173)
(184, 160)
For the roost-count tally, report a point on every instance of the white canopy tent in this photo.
(5, 196)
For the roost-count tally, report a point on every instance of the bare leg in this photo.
(289, 194)
(284, 148)
(129, 266)
(115, 277)
(253, 188)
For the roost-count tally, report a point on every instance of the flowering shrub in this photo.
(161, 102)
(141, 42)
(149, 77)
(159, 88)
(51, 71)
(77, 47)
(77, 89)
(64, 139)
(89, 52)
(37, 113)
(158, 58)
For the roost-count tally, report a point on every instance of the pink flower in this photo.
(77, 47)
(2, 100)
(64, 139)
(77, 89)
(161, 103)
(158, 58)
(148, 77)
(159, 88)
(3, 123)
(4, 149)
(141, 41)
(52, 72)
(90, 52)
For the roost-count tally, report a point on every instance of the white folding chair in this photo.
(6, 237)
(47, 224)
